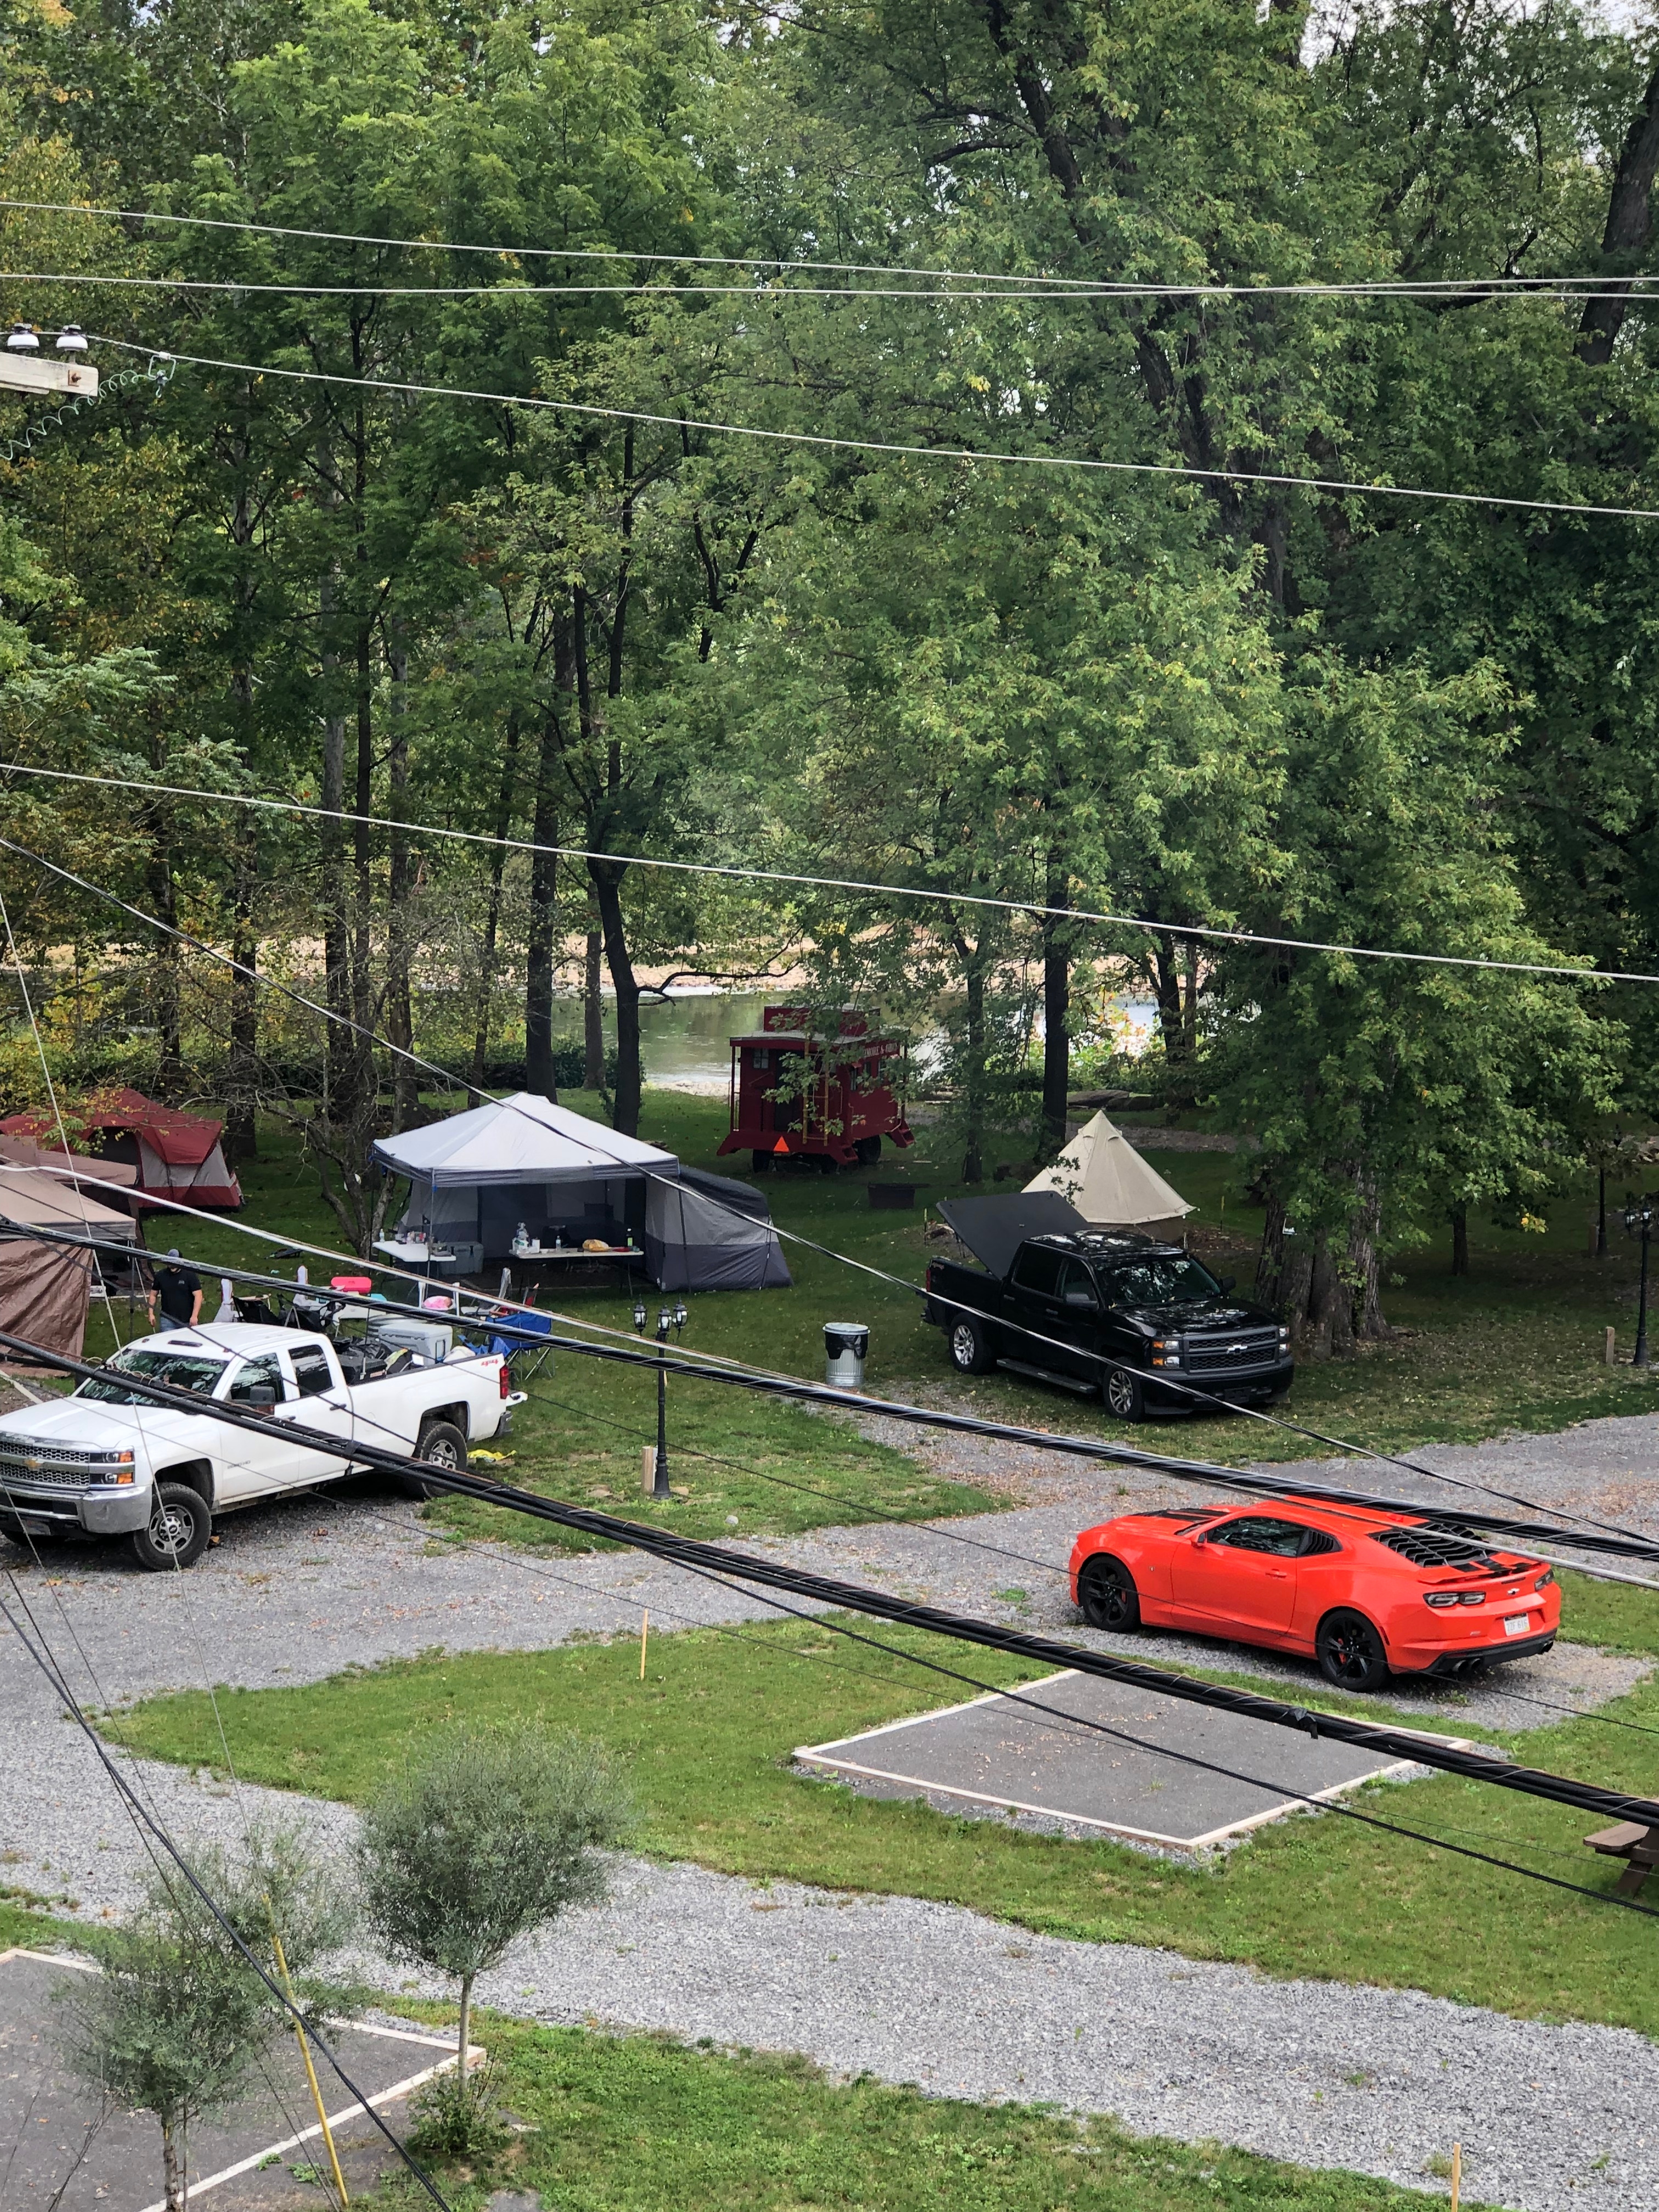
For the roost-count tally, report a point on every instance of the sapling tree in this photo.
(177, 2020)
(487, 1835)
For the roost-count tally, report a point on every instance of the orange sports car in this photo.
(1366, 1593)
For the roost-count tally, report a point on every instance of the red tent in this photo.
(177, 1155)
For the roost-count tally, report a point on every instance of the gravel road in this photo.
(1378, 2081)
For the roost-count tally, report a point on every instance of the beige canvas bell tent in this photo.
(1105, 1178)
(45, 1287)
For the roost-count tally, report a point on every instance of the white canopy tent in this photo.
(479, 1177)
(1105, 1178)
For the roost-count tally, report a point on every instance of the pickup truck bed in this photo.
(105, 1462)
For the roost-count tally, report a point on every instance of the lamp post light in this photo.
(1640, 1214)
(674, 1317)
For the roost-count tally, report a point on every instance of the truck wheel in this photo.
(970, 1352)
(869, 1150)
(1106, 1592)
(759, 1162)
(179, 1526)
(1123, 1395)
(442, 1443)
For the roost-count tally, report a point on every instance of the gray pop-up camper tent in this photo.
(475, 1178)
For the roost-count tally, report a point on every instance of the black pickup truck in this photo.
(1100, 1310)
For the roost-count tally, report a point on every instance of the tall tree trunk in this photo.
(976, 961)
(1329, 1326)
(504, 799)
(1460, 1229)
(607, 877)
(1601, 1212)
(1363, 1269)
(1629, 226)
(242, 1121)
(1270, 1263)
(464, 2031)
(241, 1125)
(362, 846)
(1056, 1009)
(399, 1008)
(541, 956)
(593, 1016)
(164, 905)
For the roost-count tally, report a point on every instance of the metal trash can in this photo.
(846, 1347)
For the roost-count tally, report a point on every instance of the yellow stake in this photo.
(305, 2053)
(645, 1629)
(1456, 2174)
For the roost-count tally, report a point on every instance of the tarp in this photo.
(524, 1139)
(44, 1288)
(1109, 1183)
(177, 1155)
(994, 1228)
(78, 1168)
(706, 1232)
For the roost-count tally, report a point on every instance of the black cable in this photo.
(748, 1567)
(1103, 1360)
(678, 1361)
(73, 1705)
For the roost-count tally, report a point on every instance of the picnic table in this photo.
(1637, 1845)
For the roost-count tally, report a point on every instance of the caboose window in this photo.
(762, 1058)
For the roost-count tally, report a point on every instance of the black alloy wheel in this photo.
(1107, 1594)
(178, 1530)
(1350, 1652)
(1123, 1394)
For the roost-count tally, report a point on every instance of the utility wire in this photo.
(764, 291)
(956, 1305)
(702, 1367)
(43, 1660)
(1173, 471)
(1033, 908)
(1453, 288)
(720, 1565)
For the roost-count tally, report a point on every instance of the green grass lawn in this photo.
(639, 2123)
(1515, 1345)
(709, 1736)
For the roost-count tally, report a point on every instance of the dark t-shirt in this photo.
(175, 1291)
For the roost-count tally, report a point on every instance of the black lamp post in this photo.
(1640, 1214)
(668, 1318)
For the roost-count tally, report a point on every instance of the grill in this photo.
(1244, 1347)
(24, 1459)
(1433, 1547)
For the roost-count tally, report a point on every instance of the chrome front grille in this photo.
(25, 1460)
(1238, 1350)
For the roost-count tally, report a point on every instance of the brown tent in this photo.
(44, 1288)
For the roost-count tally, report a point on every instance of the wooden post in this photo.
(1456, 2174)
(1608, 1351)
(647, 1470)
(645, 1631)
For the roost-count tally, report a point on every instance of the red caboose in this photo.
(795, 1095)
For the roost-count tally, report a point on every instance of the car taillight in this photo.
(1545, 1579)
(506, 1381)
(1440, 1597)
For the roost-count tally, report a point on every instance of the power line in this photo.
(942, 291)
(1407, 288)
(44, 1661)
(1186, 1390)
(1033, 908)
(718, 1563)
(1173, 471)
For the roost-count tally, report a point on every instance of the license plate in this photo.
(1515, 1624)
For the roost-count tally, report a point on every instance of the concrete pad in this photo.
(246, 2158)
(1055, 1768)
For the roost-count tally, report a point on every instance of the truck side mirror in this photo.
(261, 1395)
(1227, 1281)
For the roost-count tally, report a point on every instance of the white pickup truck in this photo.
(107, 1461)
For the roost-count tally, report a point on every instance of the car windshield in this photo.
(176, 1370)
(1168, 1282)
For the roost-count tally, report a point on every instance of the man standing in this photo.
(179, 1291)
